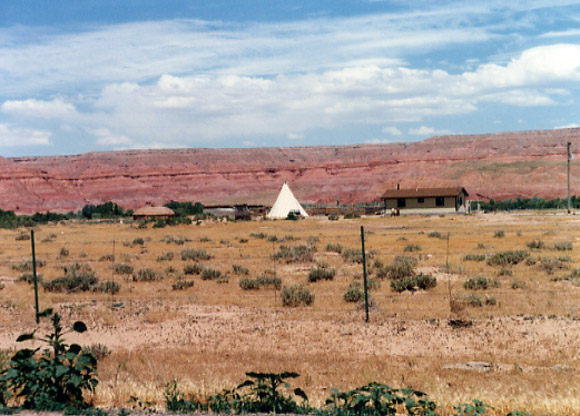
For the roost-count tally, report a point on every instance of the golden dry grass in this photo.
(207, 336)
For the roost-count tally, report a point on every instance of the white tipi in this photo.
(285, 204)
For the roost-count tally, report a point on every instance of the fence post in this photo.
(362, 237)
(35, 278)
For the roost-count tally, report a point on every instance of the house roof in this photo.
(154, 211)
(423, 192)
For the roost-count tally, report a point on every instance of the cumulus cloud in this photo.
(38, 108)
(12, 137)
(428, 131)
(567, 126)
(393, 131)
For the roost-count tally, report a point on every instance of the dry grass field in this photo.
(525, 324)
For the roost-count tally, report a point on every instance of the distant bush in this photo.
(332, 217)
(517, 284)
(122, 268)
(321, 273)
(550, 265)
(506, 258)
(474, 301)
(249, 284)
(26, 266)
(400, 267)
(536, 244)
(64, 252)
(147, 275)
(562, 246)
(29, 278)
(412, 283)
(334, 248)
(166, 256)
(499, 234)
(193, 269)
(77, 278)
(107, 257)
(138, 241)
(260, 282)
(411, 248)
(436, 234)
(480, 283)
(210, 274)
(22, 237)
(182, 284)
(295, 254)
(197, 255)
(354, 292)
(351, 255)
(240, 270)
(296, 295)
(260, 236)
(505, 272)
(474, 257)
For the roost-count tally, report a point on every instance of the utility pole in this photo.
(569, 158)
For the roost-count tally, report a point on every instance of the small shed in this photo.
(424, 200)
(153, 213)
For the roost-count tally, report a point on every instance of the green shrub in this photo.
(536, 244)
(240, 270)
(437, 234)
(182, 284)
(474, 301)
(354, 292)
(474, 257)
(506, 258)
(197, 255)
(411, 248)
(260, 282)
(334, 247)
(296, 295)
(260, 236)
(138, 241)
(175, 401)
(194, 268)
(249, 284)
(412, 283)
(505, 272)
(517, 284)
(107, 257)
(22, 237)
(400, 267)
(29, 278)
(55, 380)
(146, 275)
(295, 254)
(77, 277)
(108, 286)
(26, 266)
(332, 217)
(499, 234)
(98, 350)
(562, 246)
(210, 274)
(321, 273)
(166, 256)
(64, 252)
(122, 268)
(351, 255)
(550, 265)
(480, 283)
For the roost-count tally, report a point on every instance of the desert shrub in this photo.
(530, 261)
(182, 284)
(505, 272)
(401, 266)
(98, 350)
(26, 266)
(354, 292)
(224, 278)
(166, 256)
(517, 284)
(334, 247)
(22, 237)
(138, 241)
(474, 301)
(77, 277)
(107, 257)
(249, 284)
(289, 237)
(481, 246)
(146, 275)
(295, 254)
(411, 248)
(436, 234)
(332, 217)
(56, 379)
(210, 274)
(240, 270)
(64, 252)
(175, 401)
(312, 240)
(490, 301)
(197, 255)
(550, 265)
(122, 268)
(175, 240)
(296, 295)
(536, 244)
(193, 269)
(564, 259)
(259, 236)
(480, 283)
(412, 283)
(562, 246)
(29, 278)
(321, 273)
(108, 286)
(351, 255)
(474, 257)
(205, 240)
(499, 234)
(272, 238)
(509, 257)
(260, 282)
(351, 215)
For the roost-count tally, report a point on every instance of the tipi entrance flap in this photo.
(285, 204)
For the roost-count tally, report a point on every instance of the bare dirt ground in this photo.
(208, 336)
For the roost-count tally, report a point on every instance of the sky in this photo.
(98, 75)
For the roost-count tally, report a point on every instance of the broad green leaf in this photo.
(61, 370)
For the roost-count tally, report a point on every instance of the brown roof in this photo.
(423, 192)
(154, 211)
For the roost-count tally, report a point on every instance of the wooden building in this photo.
(426, 200)
(148, 213)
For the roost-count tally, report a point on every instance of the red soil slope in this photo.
(495, 166)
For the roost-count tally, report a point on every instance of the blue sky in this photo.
(80, 76)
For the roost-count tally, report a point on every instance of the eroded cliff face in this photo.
(495, 166)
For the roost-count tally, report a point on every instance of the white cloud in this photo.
(568, 126)
(12, 137)
(428, 131)
(393, 131)
(37, 108)
(295, 136)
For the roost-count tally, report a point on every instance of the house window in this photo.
(440, 201)
(420, 200)
(401, 202)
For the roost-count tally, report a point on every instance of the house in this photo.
(237, 212)
(148, 213)
(426, 200)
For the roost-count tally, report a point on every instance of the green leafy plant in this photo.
(175, 400)
(197, 255)
(412, 283)
(58, 377)
(296, 295)
(411, 248)
(295, 254)
(475, 408)
(509, 257)
(321, 273)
